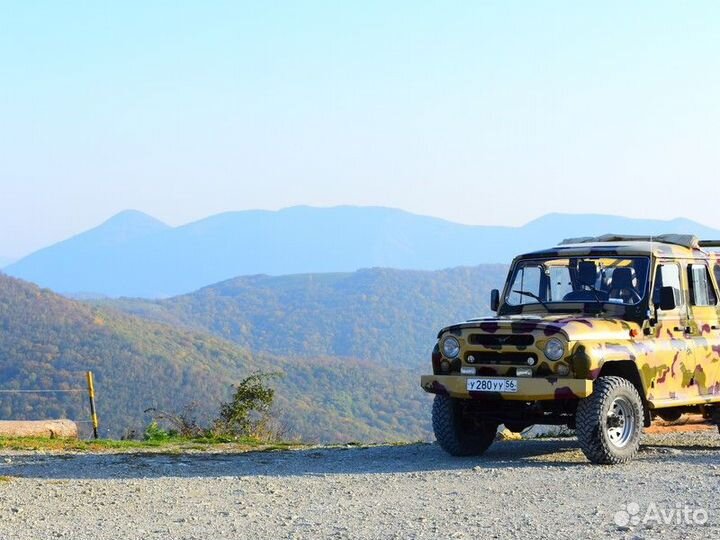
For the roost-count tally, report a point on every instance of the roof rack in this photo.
(685, 240)
(709, 243)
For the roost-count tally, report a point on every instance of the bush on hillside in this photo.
(247, 414)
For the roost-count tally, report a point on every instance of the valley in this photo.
(48, 341)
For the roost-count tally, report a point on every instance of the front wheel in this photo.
(715, 417)
(457, 432)
(609, 421)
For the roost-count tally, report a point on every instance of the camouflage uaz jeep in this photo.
(599, 334)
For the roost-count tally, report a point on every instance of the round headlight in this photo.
(554, 349)
(450, 347)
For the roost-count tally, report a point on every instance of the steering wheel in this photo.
(634, 296)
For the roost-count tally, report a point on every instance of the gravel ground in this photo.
(519, 489)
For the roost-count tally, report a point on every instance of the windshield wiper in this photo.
(534, 296)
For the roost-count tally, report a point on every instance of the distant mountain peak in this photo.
(133, 218)
(120, 230)
(555, 217)
(126, 226)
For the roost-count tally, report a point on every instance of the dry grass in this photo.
(174, 444)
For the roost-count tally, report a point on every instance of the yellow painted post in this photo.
(91, 393)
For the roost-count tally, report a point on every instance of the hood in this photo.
(572, 328)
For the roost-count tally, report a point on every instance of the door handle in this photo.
(685, 329)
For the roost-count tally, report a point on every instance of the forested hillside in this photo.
(390, 317)
(48, 341)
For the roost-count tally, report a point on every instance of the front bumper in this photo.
(529, 388)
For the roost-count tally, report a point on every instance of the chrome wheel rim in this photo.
(620, 422)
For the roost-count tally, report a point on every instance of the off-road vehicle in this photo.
(598, 334)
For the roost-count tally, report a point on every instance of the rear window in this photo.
(701, 287)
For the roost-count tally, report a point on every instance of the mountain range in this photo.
(133, 254)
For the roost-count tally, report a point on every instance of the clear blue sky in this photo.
(478, 112)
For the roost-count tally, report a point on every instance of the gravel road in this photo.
(519, 489)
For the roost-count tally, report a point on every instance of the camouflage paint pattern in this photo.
(676, 353)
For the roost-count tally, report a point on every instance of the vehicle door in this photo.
(670, 355)
(705, 315)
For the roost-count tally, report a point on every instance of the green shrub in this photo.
(247, 414)
(155, 433)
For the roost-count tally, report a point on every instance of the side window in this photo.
(701, 288)
(668, 275)
(716, 271)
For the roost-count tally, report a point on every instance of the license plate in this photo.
(492, 385)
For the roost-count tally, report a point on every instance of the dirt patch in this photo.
(686, 423)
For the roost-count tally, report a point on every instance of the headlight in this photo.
(450, 347)
(554, 349)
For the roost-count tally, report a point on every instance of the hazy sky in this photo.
(478, 112)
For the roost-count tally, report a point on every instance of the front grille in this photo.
(501, 358)
(501, 340)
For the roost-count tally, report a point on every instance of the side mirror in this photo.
(494, 299)
(667, 298)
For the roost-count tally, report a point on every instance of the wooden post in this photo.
(91, 393)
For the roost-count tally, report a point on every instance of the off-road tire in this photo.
(593, 421)
(715, 417)
(456, 434)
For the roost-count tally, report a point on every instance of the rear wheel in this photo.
(457, 432)
(609, 421)
(715, 417)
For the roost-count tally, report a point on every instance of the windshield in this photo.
(601, 280)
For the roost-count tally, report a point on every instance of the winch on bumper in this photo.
(526, 388)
